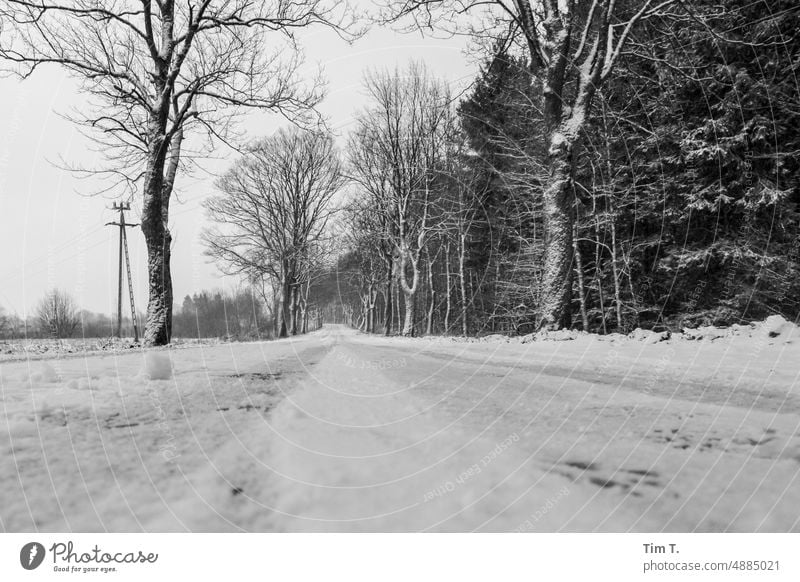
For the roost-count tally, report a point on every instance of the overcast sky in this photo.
(52, 233)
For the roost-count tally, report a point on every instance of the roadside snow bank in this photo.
(649, 336)
(774, 330)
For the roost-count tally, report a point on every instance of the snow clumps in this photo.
(157, 366)
(778, 329)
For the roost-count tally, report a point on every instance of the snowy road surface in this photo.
(339, 431)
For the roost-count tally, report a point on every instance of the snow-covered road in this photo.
(340, 431)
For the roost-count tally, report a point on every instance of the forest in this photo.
(679, 202)
(615, 165)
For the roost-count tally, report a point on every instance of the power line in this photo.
(64, 245)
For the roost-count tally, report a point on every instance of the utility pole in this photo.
(123, 255)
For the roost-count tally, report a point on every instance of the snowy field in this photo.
(340, 431)
(37, 349)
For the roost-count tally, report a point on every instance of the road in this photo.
(340, 431)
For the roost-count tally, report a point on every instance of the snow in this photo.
(648, 336)
(48, 373)
(776, 326)
(341, 431)
(157, 366)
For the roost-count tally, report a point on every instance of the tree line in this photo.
(641, 173)
(240, 314)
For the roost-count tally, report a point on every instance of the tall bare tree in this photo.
(396, 151)
(572, 46)
(272, 213)
(154, 71)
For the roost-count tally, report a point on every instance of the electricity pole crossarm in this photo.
(123, 255)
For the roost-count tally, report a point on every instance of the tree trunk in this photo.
(462, 253)
(558, 220)
(432, 306)
(282, 313)
(598, 265)
(431, 309)
(409, 291)
(388, 307)
(158, 329)
(364, 325)
(447, 285)
(293, 310)
(398, 314)
(581, 286)
(615, 272)
(408, 323)
(303, 295)
(632, 291)
(373, 301)
(163, 160)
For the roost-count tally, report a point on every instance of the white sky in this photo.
(52, 234)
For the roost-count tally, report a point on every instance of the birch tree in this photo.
(153, 71)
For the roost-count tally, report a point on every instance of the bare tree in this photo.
(57, 314)
(273, 210)
(396, 151)
(5, 322)
(156, 70)
(572, 47)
